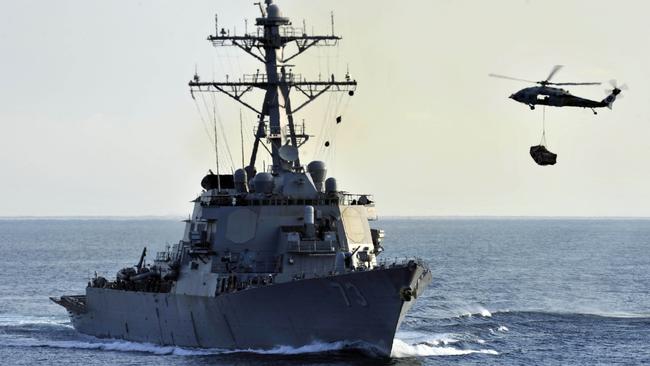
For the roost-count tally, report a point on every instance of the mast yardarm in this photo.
(267, 44)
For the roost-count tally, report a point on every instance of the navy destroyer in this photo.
(279, 257)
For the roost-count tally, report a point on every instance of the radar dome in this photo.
(288, 153)
(331, 185)
(263, 183)
(318, 170)
(273, 11)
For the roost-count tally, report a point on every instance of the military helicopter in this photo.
(557, 97)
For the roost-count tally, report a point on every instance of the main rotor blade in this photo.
(510, 78)
(595, 83)
(554, 71)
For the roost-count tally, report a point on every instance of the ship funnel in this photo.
(317, 170)
(264, 183)
(241, 181)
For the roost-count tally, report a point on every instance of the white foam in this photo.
(116, 345)
(287, 350)
(477, 311)
(18, 320)
(402, 349)
(414, 337)
(502, 328)
(126, 346)
(485, 313)
(436, 345)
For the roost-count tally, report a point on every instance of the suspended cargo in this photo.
(542, 156)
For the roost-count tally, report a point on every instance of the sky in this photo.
(96, 118)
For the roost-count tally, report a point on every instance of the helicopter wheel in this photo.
(532, 107)
(593, 110)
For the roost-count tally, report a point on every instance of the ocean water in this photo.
(505, 292)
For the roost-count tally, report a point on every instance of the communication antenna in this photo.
(332, 15)
(196, 76)
(216, 144)
(241, 133)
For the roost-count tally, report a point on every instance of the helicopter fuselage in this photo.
(555, 97)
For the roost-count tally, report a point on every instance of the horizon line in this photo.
(440, 217)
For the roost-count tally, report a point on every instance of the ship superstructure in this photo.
(270, 258)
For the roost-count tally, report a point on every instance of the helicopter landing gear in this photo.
(532, 107)
(593, 110)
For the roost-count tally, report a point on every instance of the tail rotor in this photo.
(614, 93)
(616, 88)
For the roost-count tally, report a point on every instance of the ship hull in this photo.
(363, 308)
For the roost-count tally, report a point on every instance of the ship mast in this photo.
(274, 32)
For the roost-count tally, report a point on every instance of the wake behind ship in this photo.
(280, 257)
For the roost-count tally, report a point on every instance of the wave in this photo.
(116, 345)
(500, 329)
(415, 337)
(316, 347)
(421, 344)
(8, 320)
(476, 311)
(402, 349)
(484, 313)
(613, 314)
(127, 346)
(585, 312)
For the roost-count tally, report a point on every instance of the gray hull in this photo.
(365, 307)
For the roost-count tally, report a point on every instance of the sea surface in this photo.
(504, 292)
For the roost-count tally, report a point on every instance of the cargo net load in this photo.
(540, 152)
